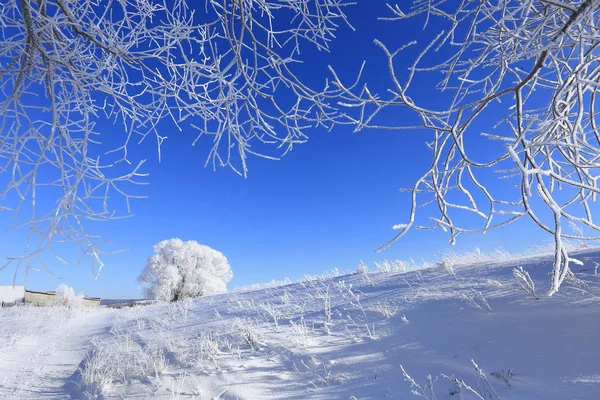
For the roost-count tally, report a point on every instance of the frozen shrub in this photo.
(362, 268)
(300, 336)
(386, 309)
(249, 332)
(384, 266)
(447, 266)
(389, 267)
(65, 296)
(400, 266)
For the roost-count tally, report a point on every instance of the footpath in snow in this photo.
(42, 348)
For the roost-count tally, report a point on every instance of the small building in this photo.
(39, 298)
(10, 295)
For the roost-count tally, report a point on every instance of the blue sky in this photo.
(329, 203)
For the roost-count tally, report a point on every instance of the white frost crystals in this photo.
(216, 69)
(181, 270)
(65, 296)
(516, 85)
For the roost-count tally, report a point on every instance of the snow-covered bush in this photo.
(447, 266)
(362, 268)
(386, 309)
(300, 332)
(65, 296)
(181, 270)
(384, 266)
(249, 332)
(388, 267)
(273, 313)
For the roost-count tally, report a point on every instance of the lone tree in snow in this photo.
(181, 270)
(516, 94)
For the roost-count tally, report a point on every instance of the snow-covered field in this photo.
(462, 329)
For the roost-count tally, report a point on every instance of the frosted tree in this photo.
(516, 99)
(83, 80)
(181, 270)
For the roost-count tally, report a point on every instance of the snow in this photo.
(341, 337)
(42, 347)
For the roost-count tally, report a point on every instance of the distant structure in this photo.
(47, 299)
(12, 295)
(39, 298)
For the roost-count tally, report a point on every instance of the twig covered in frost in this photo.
(285, 297)
(249, 331)
(389, 267)
(300, 333)
(325, 296)
(461, 386)
(525, 282)
(578, 230)
(371, 331)
(207, 346)
(487, 390)
(386, 309)
(416, 389)
(447, 267)
(383, 266)
(482, 391)
(477, 300)
(273, 312)
(504, 375)
(177, 384)
(362, 268)
(346, 290)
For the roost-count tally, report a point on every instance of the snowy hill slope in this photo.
(471, 328)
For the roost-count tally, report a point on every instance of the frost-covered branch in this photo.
(517, 86)
(82, 81)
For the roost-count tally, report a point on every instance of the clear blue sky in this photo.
(329, 203)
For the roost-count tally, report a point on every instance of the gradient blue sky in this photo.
(329, 203)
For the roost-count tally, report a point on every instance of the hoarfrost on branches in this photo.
(522, 75)
(69, 67)
(181, 270)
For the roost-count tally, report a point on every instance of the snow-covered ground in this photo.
(457, 331)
